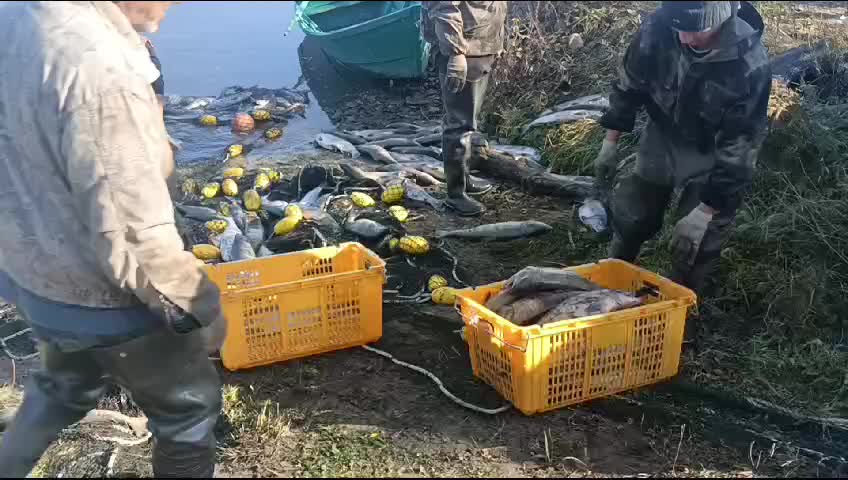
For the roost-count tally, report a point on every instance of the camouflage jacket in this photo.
(717, 102)
(474, 29)
(84, 157)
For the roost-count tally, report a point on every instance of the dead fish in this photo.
(201, 214)
(589, 102)
(584, 304)
(536, 279)
(523, 312)
(502, 299)
(263, 251)
(322, 219)
(403, 126)
(377, 153)
(359, 175)
(436, 172)
(238, 215)
(365, 228)
(416, 193)
(435, 153)
(421, 178)
(372, 135)
(238, 249)
(276, 208)
(310, 200)
(498, 231)
(411, 158)
(431, 139)
(353, 139)
(228, 100)
(336, 144)
(518, 151)
(253, 230)
(567, 116)
(395, 142)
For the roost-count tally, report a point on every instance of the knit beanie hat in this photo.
(696, 16)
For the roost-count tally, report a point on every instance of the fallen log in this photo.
(533, 177)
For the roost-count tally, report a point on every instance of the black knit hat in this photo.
(696, 16)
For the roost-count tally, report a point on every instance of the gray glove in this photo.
(606, 162)
(456, 74)
(688, 234)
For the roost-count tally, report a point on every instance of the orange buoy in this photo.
(243, 123)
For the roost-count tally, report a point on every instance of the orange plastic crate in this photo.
(299, 304)
(540, 369)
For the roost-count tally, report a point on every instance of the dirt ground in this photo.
(354, 413)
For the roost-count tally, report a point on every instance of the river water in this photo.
(207, 46)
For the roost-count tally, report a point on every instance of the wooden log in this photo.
(533, 177)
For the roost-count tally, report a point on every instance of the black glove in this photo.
(177, 319)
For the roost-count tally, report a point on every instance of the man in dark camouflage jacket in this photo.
(701, 71)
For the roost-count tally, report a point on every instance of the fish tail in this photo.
(442, 233)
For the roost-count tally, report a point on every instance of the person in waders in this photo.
(468, 36)
(701, 71)
(90, 256)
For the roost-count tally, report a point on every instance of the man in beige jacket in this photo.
(89, 252)
(468, 37)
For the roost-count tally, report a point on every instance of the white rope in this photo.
(444, 390)
(6, 347)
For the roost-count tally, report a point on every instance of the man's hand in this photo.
(689, 232)
(456, 73)
(606, 162)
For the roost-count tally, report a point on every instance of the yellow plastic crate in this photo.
(540, 369)
(299, 304)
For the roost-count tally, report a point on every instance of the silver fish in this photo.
(498, 231)
(367, 178)
(411, 158)
(417, 194)
(377, 153)
(403, 126)
(593, 214)
(518, 151)
(336, 144)
(566, 116)
(228, 101)
(276, 208)
(368, 229)
(584, 304)
(435, 153)
(590, 102)
(263, 251)
(253, 230)
(238, 215)
(353, 139)
(322, 219)
(239, 249)
(431, 139)
(202, 214)
(311, 198)
(372, 135)
(536, 279)
(522, 312)
(396, 142)
(421, 178)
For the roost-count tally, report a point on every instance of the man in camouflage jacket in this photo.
(701, 71)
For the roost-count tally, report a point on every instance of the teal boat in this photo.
(378, 39)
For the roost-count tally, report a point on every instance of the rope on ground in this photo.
(438, 382)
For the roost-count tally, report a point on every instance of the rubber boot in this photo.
(477, 187)
(456, 173)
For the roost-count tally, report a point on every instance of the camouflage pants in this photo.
(641, 200)
(459, 125)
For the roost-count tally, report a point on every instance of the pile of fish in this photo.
(271, 107)
(591, 107)
(541, 296)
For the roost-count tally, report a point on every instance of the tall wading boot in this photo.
(456, 173)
